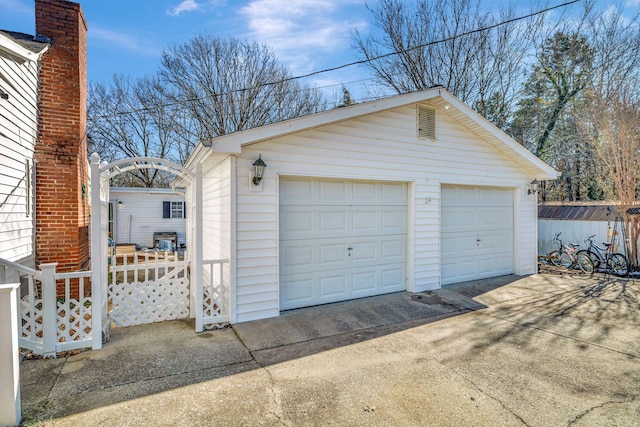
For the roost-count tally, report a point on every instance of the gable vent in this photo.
(426, 122)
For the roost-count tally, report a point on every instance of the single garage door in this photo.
(476, 233)
(340, 240)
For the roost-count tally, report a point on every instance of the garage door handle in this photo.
(478, 240)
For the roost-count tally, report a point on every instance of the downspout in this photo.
(129, 227)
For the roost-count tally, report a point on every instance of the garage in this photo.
(477, 238)
(340, 240)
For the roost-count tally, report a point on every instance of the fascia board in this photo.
(11, 47)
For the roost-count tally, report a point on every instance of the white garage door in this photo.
(340, 239)
(476, 233)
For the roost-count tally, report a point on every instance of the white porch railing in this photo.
(216, 298)
(50, 323)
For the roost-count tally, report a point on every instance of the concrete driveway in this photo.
(537, 351)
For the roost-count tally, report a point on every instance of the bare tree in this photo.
(229, 85)
(614, 131)
(133, 119)
(482, 68)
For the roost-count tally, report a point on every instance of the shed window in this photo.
(426, 122)
(173, 210)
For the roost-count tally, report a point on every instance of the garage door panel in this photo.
(364, 192)
(324, 254)
(393, 278)
(332, 286)
(394, 193)
(332, 220)
(301, 290)
(297, 256)
(476, 233)
(352, 238)
(364, 221)
(302, 222)
(297, 290)
(393, 219)
(293, 221)
(476, 197)
(296, 190)
(332, 190)
(365, 252)
(330, 253)
(394, 248)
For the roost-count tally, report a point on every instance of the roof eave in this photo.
(474, 121)
(323, 118)
(439, 96)
(9, 46)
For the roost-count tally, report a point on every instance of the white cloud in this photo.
(184, 6)
(300, 30)
(125, 41)
(194, 5)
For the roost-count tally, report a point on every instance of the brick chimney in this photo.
(62, 176)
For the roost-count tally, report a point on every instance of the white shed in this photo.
(19, 56)
(410, 192)
(137, 214)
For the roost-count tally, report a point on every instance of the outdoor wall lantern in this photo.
(533, 187)
(258, 170)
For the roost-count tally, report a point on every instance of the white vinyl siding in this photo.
(18, 133)
(216, 220)
(381, 146)
(139, 214)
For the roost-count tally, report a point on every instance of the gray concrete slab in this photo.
(536, 351)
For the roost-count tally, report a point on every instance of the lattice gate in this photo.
(153, 287)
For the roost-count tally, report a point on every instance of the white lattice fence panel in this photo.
(31, 317)
(215, 312)
(211, 302)
(139, 303)
(73, 320)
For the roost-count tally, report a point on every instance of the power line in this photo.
(339, 67)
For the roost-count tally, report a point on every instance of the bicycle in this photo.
(570, 256)
(615, 262)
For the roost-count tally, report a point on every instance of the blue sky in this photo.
(128, 37)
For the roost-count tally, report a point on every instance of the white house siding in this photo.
(140, 215)
(216, 205)
(381, 146)
(18, 133)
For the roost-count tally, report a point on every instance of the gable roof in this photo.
(438, 96)
(24, 46)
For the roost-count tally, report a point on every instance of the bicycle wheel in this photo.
(594, 258)
(584, 262)
(560, 259)
(618, 264)
(555, 258)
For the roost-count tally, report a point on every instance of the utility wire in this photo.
(340, 67)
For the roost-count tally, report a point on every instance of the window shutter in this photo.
(166, 209)
(184, 209)
(426, 122)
